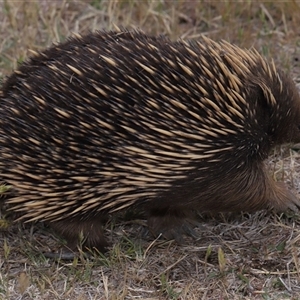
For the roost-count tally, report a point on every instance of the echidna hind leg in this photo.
(171, 223)
(87, 234)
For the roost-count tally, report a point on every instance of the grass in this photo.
(245, 256)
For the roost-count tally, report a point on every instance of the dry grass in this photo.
(237, 257)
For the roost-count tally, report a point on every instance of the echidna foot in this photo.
(86, 235)
(172, 225)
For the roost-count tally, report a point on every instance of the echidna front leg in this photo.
(86, 233)
(280, 198)
(250, 190)
(262, 192)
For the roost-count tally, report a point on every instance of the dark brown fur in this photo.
(113, 120)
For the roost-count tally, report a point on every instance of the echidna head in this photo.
(285, 117)
(281, 105)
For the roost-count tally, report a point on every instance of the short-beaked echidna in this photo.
(110, 120)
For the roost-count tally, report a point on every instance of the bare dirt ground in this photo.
(244, 256)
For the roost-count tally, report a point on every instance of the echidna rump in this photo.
(112, 120)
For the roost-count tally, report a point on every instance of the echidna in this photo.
(112, 120)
